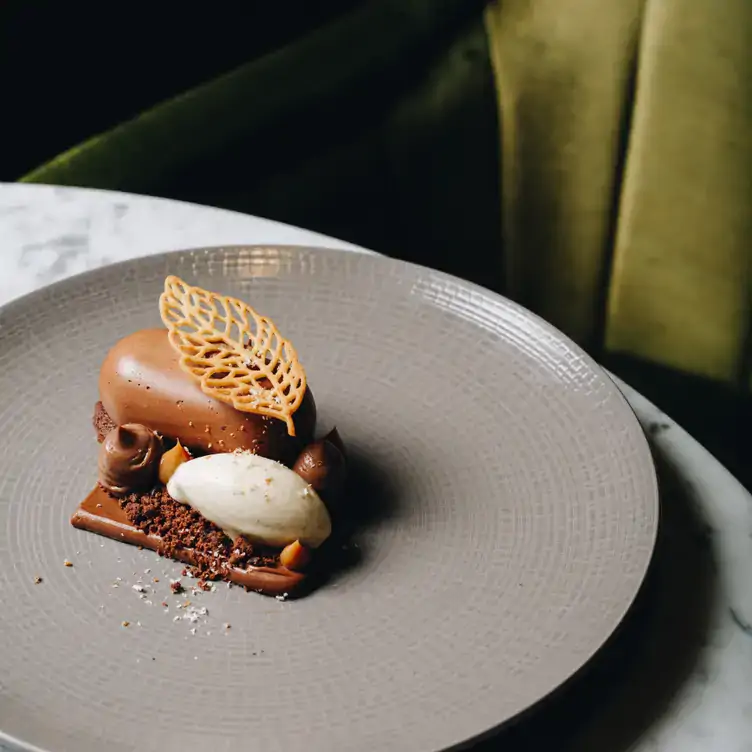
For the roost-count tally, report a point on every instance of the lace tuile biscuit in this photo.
(238, 356)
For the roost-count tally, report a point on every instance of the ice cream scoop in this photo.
(247, 494)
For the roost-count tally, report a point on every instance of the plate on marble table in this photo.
(509, 512)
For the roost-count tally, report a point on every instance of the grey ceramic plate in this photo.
(509, 514)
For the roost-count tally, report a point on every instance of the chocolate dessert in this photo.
(207, 449)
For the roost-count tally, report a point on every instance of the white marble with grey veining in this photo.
(700, 700)
(49, 232)
(709, 708)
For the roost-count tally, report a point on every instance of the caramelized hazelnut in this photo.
(171, 461)
(295, 556)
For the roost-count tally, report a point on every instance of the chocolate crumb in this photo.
(102, 422)
(67, 563)
(176, 586)
(179, 526)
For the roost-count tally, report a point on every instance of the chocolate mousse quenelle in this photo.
(208, 452)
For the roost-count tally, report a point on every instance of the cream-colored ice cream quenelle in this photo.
(247, 494)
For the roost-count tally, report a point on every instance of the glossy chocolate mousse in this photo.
(322, 465)
(129, 459)
(141, 381)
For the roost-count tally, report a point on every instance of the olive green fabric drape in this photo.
(563, 81)
(591, 159)
(681, 281)
(626, 132)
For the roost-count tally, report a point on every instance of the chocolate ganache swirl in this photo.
(129, 459)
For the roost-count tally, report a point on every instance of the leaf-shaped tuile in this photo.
(237, 356)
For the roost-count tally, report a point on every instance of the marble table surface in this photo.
(678, 675)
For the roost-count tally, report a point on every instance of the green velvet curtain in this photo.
(591, 159)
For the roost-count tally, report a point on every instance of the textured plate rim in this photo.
(628, 416)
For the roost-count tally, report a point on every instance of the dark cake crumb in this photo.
(103, 423)
(180, 527)
(176, 586)
(37, 580)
